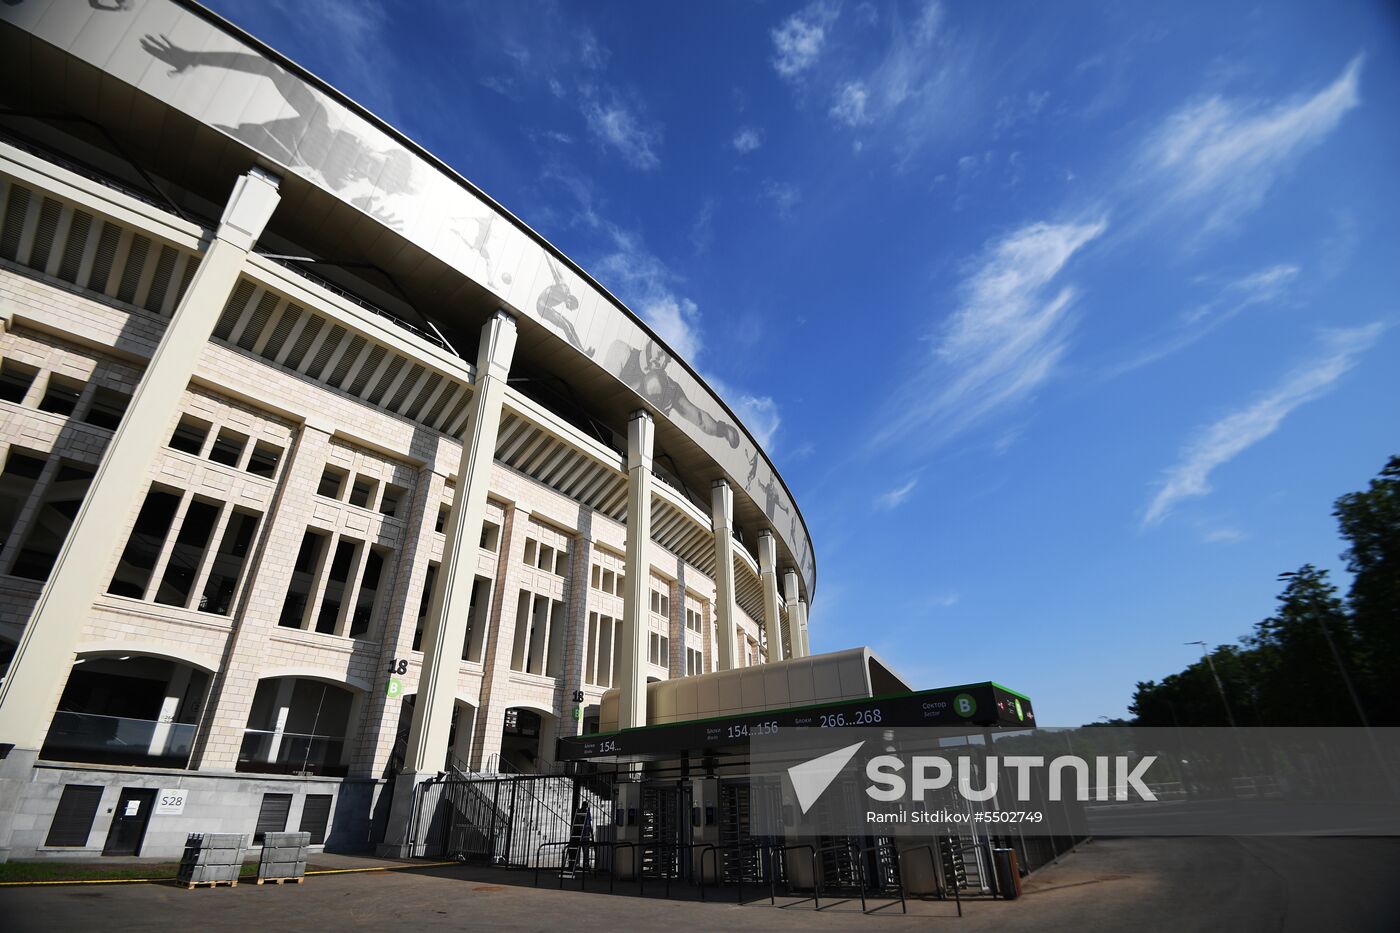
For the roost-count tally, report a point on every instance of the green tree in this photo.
(1370, 522)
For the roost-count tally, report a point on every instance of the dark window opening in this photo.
(391, 500)
(187, 554)
(427, 597)
(369, 593)
(303, 578)
(362, 492)
(228, 563)
(272, 816)
(108, 406)
(336, 580)
(228, 446)
(189, 435)
(72, 821)
(21, 472)
(15, 380)
(143, 548)
(61, 395)
(264, 459)
(332, 482)
(52, 521)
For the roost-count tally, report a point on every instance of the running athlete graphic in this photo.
(772, 495)
(478, 243)
(645, 371)
(348, 165)
(556, 297)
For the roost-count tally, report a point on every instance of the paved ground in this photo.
(1238, 885)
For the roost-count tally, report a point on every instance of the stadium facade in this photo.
(322, 472)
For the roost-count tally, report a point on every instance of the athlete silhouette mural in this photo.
(554, 301)
(645, 370)
(772, 493)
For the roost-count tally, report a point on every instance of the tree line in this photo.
(1320, 659)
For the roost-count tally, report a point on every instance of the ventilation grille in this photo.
(62, 241)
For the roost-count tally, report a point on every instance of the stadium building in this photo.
(336, 499)
(319, 465)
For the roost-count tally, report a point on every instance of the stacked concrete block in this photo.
(283, 857)
(212, 859)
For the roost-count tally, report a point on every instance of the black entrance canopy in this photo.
(973, 706)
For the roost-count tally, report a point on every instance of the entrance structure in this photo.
(297, 423)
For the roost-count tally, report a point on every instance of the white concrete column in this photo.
(632, 704)
(802, 616)
(449, 611)
(722, 517)
(797, 622)
(169, 709)
(45, 653)
(768, 578)
(283, 705)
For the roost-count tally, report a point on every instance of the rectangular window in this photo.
(228, 564)
(61, 395)
(609, 581)
(332, 483)
(392, 500)
(272, 816)
(561, 563)
(693, 620)
(72, 821)
(546, 558)
(188, 553)
(341, 566)
(264, 459)
(474, 644)
(15, 380)
(660, 645)
(362, 492)
(490, 536)
(530, 547)
(369, 593)
(51, 522)
(315, 816)
(107, 408)
(694, 662)
(596, 577)
(228, 447)
(423, 603)
(190, 434)
(144, 546)
(22, 469)
(590, 663)
(304, 571)
(441, 524)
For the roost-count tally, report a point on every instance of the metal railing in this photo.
(100, 739)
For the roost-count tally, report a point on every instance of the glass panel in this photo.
(334, 595)
(119, 740)
(187, 554)
(108, 406)
(228, 446)
(228, 563)
(189, 435)
(51, 523)
(264, 459)
(303, 577)
(15, 380)
(267, 752)
(61, 395)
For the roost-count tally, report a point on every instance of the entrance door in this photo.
(129, 822)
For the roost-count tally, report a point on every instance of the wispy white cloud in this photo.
(849, 107)
(1227, 438)
(1262, 287)
(759, 413)
(649, 286)
(1223, 156)
(784, 195)
(1006, 338)
(1225, 536)
(798, 41)
(618, 126)
(893, 498)
(747, 140)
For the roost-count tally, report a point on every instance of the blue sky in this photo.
(1065, 323)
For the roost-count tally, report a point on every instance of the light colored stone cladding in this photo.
(89, 338)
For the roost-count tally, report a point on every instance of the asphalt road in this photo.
(1176, 884)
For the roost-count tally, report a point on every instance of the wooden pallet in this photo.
(191, 885)
(281, 880)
